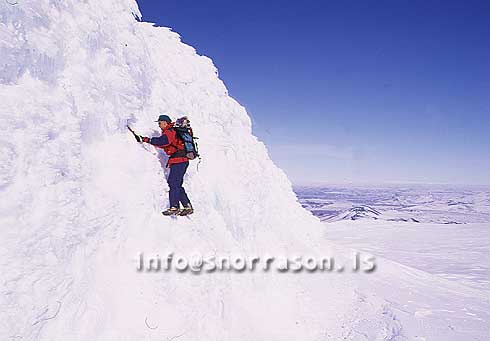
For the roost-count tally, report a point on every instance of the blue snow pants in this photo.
(175, 181)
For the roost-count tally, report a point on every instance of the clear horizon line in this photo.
(389, 184)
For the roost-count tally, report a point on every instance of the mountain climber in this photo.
(178, 163)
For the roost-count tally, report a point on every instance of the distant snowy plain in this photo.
(443, 230)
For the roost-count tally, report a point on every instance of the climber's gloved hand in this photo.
(141, 139)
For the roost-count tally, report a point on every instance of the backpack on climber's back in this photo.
(184, 132)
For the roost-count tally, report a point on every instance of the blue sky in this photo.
(353, 91)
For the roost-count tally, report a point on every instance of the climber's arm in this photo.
(160, 141)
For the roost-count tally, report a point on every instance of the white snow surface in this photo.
(80, 199)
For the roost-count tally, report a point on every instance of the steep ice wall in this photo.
(80, 198)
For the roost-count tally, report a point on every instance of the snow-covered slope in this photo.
(80, 199)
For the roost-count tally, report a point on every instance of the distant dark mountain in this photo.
(355, 213)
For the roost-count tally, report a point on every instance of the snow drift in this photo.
(80, 198)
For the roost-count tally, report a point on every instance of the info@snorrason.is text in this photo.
(200, 263)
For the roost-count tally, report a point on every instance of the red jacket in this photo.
(173, 146)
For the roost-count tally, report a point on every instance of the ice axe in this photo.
(136, 136)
